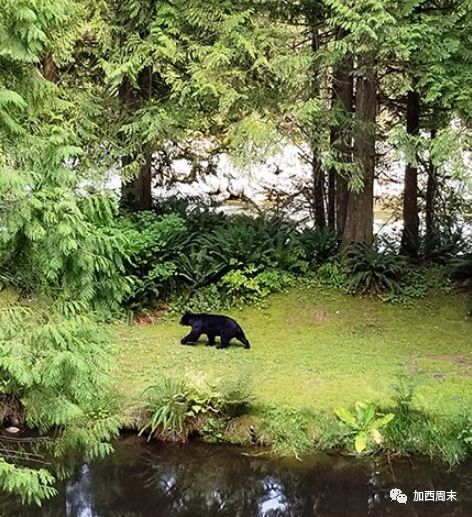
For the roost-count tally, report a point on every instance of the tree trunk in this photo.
(331, 210)
(340, 139)
(318, 176)
(431, 188)
(136, 194)
(49, 68)
(411, 222)
(318, 194)
(360, 205)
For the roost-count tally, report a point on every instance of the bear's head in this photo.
(185, 320)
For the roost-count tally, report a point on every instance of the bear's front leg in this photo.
(190, 339)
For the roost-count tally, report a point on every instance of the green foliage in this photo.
(210, 260)
(319, 245)
(331, 275)
(465, 435)
(154, 244)
(58, 372)
(404, 392)
(213, 77)
(269, 242)
(462, 270)
(56, 234)
(372, 271)
(462, 274)
(416, 431)
(26, 28)
(414, 285)
(414, 282)
(417, 283)
(214, 430)
(169, 410)
(205, 299)
(181, 408)
(250, 286)
(32, 485)
(54, 239)
(448, 242)
(364, 425)
(289, 431)
(65, 246)
(469, 306)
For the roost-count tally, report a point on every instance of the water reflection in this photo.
(198, 480)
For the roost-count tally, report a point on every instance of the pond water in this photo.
(202, 481)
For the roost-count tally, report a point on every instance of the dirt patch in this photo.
(319, 316)
(413, 368)
(462, 362)
(148, 318)
(304, 318)
(449, 358)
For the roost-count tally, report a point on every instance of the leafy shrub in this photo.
(155, 244)
(372, 271)
(462, 271)
(200, 263)
(67, 247)
(185, 254)
(364, 425)
(207, 299)
(332, 275)
(54, 375)
(462, 275)
(250, 286)
(319, 245)
(414, 285)
(198, 216)
(289, 431)
(235, 288)
(264, 241)
(169, 410)
(465, 435)
(56, 238)
(417, 282)
(180, 408)
(416, 431)
(447, 243)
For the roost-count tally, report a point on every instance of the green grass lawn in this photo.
(317, 349)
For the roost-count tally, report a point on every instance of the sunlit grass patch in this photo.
(317, 349)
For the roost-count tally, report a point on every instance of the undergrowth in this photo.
(193, 406)
(196, 407)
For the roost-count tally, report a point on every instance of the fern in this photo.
(372, 271)
(462, 274)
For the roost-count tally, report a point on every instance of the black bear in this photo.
(213, 325)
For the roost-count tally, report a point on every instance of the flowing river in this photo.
(202, 481)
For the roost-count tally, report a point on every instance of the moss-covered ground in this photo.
(317, 349)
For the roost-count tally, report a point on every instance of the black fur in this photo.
(213, 325)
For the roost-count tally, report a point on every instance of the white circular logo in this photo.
(394, 493)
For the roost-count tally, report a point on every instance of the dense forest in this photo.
(91, 87)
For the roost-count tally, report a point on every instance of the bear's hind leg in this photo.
(225, 339)
(241, 337)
